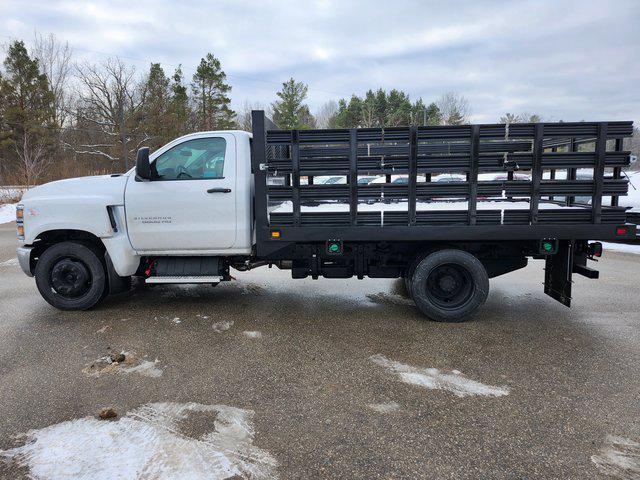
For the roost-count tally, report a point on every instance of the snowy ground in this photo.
(287, 206)
(621, 247)
(8, 197)
(633, 196)
(149, 442)
(11, 193)
(7, 212)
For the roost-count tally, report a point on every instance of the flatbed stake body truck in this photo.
(443, 207)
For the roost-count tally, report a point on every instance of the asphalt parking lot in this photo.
(324, 379)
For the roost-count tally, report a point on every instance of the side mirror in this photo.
(143, 168)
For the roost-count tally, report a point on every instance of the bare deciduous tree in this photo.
(34, 158)
(243, 118)
(521, 118)
(54, 60)
(326, 114)
(109, 101)
(454, 109)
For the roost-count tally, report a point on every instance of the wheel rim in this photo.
(70, 278)
(449, 286)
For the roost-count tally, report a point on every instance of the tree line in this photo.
(62, 118)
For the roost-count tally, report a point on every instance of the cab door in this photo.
(189, 205)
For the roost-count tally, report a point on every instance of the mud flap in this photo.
(116, 283)
(558, 272)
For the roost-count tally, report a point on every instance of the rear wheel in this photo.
(449, 285)
(71, 276)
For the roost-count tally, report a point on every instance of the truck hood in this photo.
(109, 189)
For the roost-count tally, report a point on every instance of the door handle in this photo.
(219, 190)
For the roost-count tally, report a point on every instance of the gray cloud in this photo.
(568, 60)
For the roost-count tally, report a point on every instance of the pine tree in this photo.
(27, 113)
(210, 92)
(379, 109)
(434, 116)
(398, 112)
(179, 111)
(155, 107)
(290, 112)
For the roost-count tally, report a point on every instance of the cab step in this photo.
(184, 279)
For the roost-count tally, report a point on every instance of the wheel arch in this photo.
(50, 237)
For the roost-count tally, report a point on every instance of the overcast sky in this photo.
(569, 60)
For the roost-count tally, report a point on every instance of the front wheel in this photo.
(71, 276)
(449, 285)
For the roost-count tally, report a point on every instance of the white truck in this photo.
(211, 201)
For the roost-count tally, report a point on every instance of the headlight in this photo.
(20, 221)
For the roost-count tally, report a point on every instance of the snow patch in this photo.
(8, 213)
(287, 206)
(252, 334)
(131, 364)
(145, 368)
(384, 407)
(619, 458)
(621, 247)
(434, 379)
(12, 262)
(152, 441)
(390, 299)
(250, 288)
(222, 326)
(632, 199)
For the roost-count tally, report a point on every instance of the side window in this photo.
(193, 159)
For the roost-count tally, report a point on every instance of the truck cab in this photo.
(196, 200)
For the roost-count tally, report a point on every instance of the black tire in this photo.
(71, 276)
(449, 285)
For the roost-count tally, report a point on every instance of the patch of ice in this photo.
(250, 288)
(131, 364)
(619, 458)
(222, 326)
(252, 334)
(621, 247)
(152, 441)
(145, 368)
(390, 299)
(434, 379)
(8, 213)
(12, 262)
(384, 407)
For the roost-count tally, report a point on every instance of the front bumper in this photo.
(24, 259)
